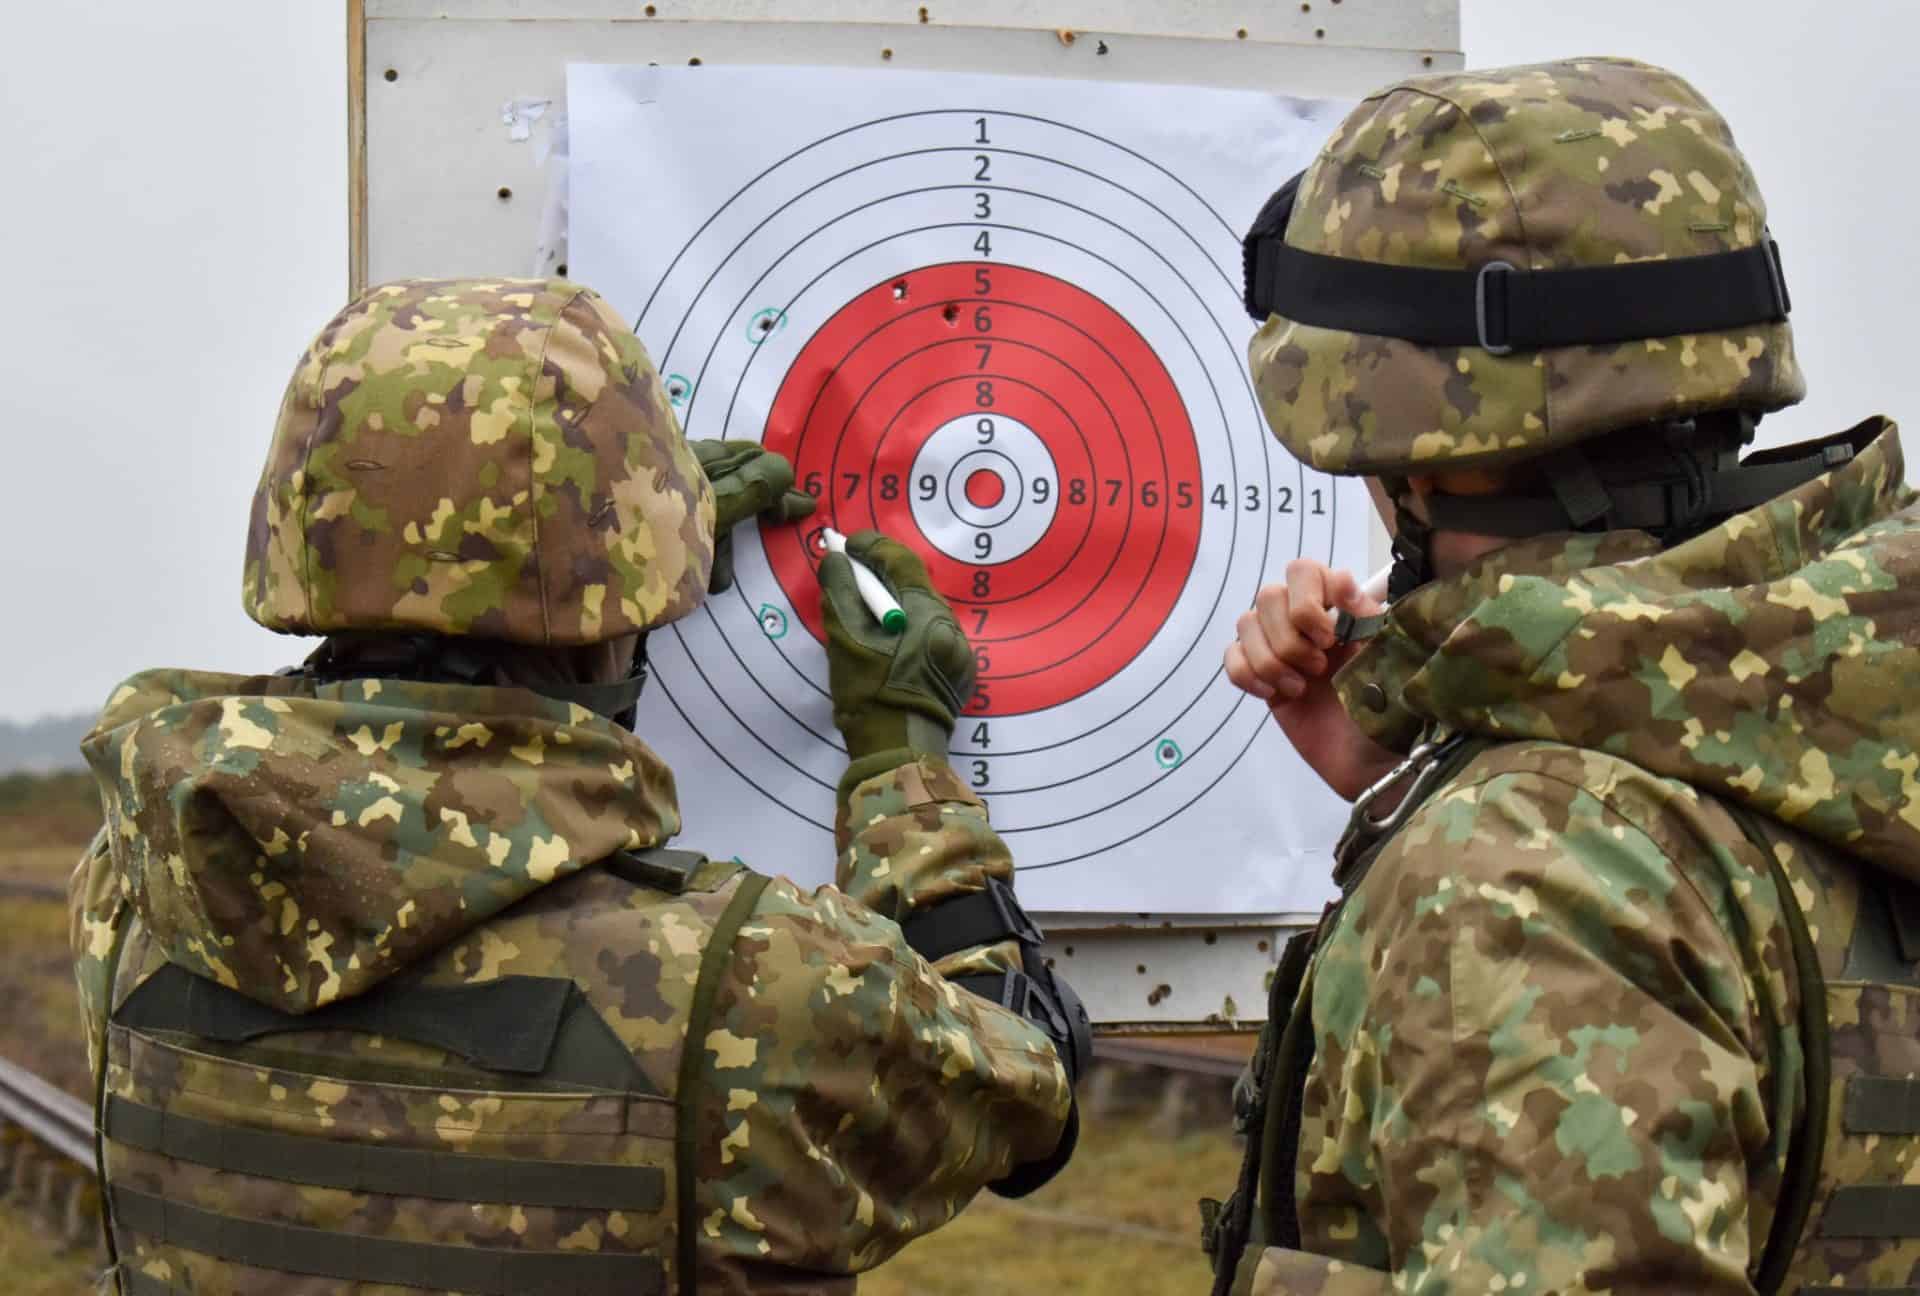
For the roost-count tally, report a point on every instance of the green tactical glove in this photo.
(895, 696)
(748, 480)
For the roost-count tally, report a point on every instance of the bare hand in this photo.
(1285, 655)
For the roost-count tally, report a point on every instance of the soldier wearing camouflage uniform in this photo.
(1622, 989)
(391, 981)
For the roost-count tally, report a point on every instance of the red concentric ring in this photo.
(1055, 614)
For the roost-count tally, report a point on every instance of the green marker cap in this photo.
(894, 622)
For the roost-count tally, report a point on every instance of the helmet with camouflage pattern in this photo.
(486, 458)
(1483, 267)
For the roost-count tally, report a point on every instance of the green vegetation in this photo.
(41, 810)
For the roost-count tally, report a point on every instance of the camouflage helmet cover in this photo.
(1589, 162)
(490, 458)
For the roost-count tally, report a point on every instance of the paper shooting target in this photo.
(1013, 341)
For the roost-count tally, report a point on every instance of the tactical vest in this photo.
(492, 1136)
(1847, 1211)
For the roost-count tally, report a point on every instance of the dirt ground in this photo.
(1120, 1219)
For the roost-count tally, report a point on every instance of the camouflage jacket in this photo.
(304, 844)
(1557, 1029)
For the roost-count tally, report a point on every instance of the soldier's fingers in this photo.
(1241, 675)
(1345, 591)
(840, 601)
(896, 564)
(1310, 597)
(1272, 607)
(794, 505)
(1264, 663)
(720, 576)
(719, 458)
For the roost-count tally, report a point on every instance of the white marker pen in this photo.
(1376, 584)
(872, 591)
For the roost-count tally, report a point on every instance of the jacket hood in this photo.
(303, 842)
(1773, 661)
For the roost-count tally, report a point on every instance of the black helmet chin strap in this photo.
(434, 659)
(1673, 487)
(1684, 489)
(618, 701)
(1412, 548)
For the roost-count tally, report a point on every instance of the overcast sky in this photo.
(176, 224)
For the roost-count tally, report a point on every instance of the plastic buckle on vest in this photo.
(1021, 995)
(1018, 924)
(1480, 312)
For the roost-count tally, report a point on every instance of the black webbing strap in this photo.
(507, 1025)
(122, 926)
(1875, 952)
(353, 655)
(353, 1257)
(1348, 628)
(660, 869)
(1502, 308)
(1577, 487)
(1903, 905)
(984, 917)
(1228, 1229)
(1640, 506)
(1877, 1211)
(376, 1168)
(1807, 1146)
(687, 1106)
(1882, 1105)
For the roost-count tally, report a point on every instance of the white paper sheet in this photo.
(999, 317)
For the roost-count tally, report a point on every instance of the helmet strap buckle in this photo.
(1491, 308)
(1582, 495)
(1412, 551)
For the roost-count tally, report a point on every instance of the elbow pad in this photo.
(1038, 994)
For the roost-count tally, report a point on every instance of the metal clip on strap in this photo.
(1423, 765)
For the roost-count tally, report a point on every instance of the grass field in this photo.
(45, 821)
(1120, 1219)
(34, 1265)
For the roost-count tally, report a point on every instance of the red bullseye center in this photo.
(1088, 427)
(984, 488)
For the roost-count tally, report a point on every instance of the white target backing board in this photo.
(1000, 319)
(457, 111)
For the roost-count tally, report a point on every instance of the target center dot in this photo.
(985, 488)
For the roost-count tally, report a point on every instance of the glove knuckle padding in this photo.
(951, 654)
(885, 686)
